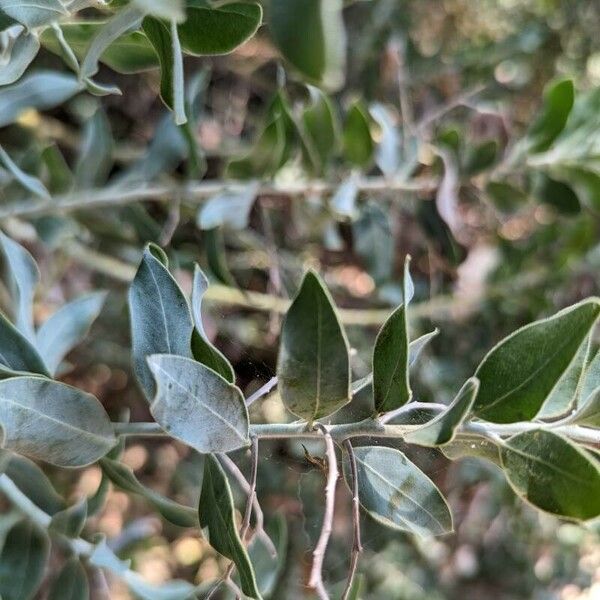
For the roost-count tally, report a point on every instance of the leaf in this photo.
(557, 194)
(122, 476)
(71, 583)
(61, 332)
(506, 197)
(16, 351)
(442, 428)
(312, 37)
(591, 379)
(358, 143)
(30, 183)
(60, 178)
(388, 152)
(159, 313)
(472, 446)
(397, 494)
(202, 350)
(374, 242)
(313, 366)
(197, 406)
(172, 10)
(121, 23)
(23, 561)
(520, 372)
(70, 521)
(160, 37)
(446, 199)
(556, 107)
(95, 155)
(391, 386)
(53, 422)
(218, 30)
(417, 346)
(40, 90)
(552, 474)
(24, 49)
(320, 124)
(231, 209)
(179, 115)
(22, 276)
(343, 204)
(416, 415)
(588, 414)
(214, 246)
(33, 13)
(216, 513)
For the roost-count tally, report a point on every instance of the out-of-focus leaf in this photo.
(214, 245)
(65, 426)
(60, 176)
(343, 201)
(519, 373)
(506, 197)
(218, 29)
(313, 366)
(216, 513)
(160, 315)
(197, 406)
(446, 199)
(71, 583)
(40, 90)
(442, 428)
(95, 155)
(320, 124)
(480, 157)
(397, 494)
(30, 183)
(388, 152)
(358, 143)
(70, 521)
(122, 476)
(312, 37)
(24, 50)
(32, 13)
(557, 194)
(231, 209)
(23, 561)
(61, 332)
(553, 474)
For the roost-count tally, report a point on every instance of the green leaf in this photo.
(160, 37)
(122, 476)
(417, 346)
(553, 474)
(62, 331)
(320, 124)
(505, 196)
(22, 276)
(95, 155)
(442, 428)
(520, 372)
(472, 446)
(218, 30)
(591, 379)
(311, 36)
(160, 315)
(60, 177)
(557, 194)
(197, 406)
(313, 367)
(397, 494)
(202, 350)
(556, 107)
(24, 49)
(231, 209)
(40, 90)
(391, 386)
(23, 561)
(216, 513)
(588, 414)
(30, 183)
(172, 10)
(480, 157)
(71, 583)
(17, 353)
(214, 246)
(70, 521)
(358, 143)
(64, 426)
(33, 13)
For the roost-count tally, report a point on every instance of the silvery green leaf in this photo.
(71, 520)
(30, 183)
(125, 20)
(588, 413)
(313, 367)
(397, 494)
(53, 422)
(33, 13)
(230, 209)
(24, 49)
(202, 350)
(178, 77)
(122, 476)
(40, 90)
(520, 372)
(17, 353)
(591, 379)
(23, 561)
(62, 331)
(442, 429)
(95, 155)
(159, 35)
(343, 201)
(171, 10)
(160, 315)
(197, 406)
(71, 583)
(416, 346)
(22, 276)
(387, 153)
(101, 89)
(472, 446)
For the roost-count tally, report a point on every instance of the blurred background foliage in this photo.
(465, 134)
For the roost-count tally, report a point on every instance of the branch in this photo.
(356, 541)
(316, 574)
(197, 192)
(262, 391)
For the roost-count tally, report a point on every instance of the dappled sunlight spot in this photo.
(135, 457)
(188, 551)
(89, 481)
(209, 569)
(154, 564)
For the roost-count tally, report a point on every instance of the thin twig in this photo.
(263, 390)
(356, 541)
(316, 574)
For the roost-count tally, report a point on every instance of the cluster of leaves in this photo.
(542, 381)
